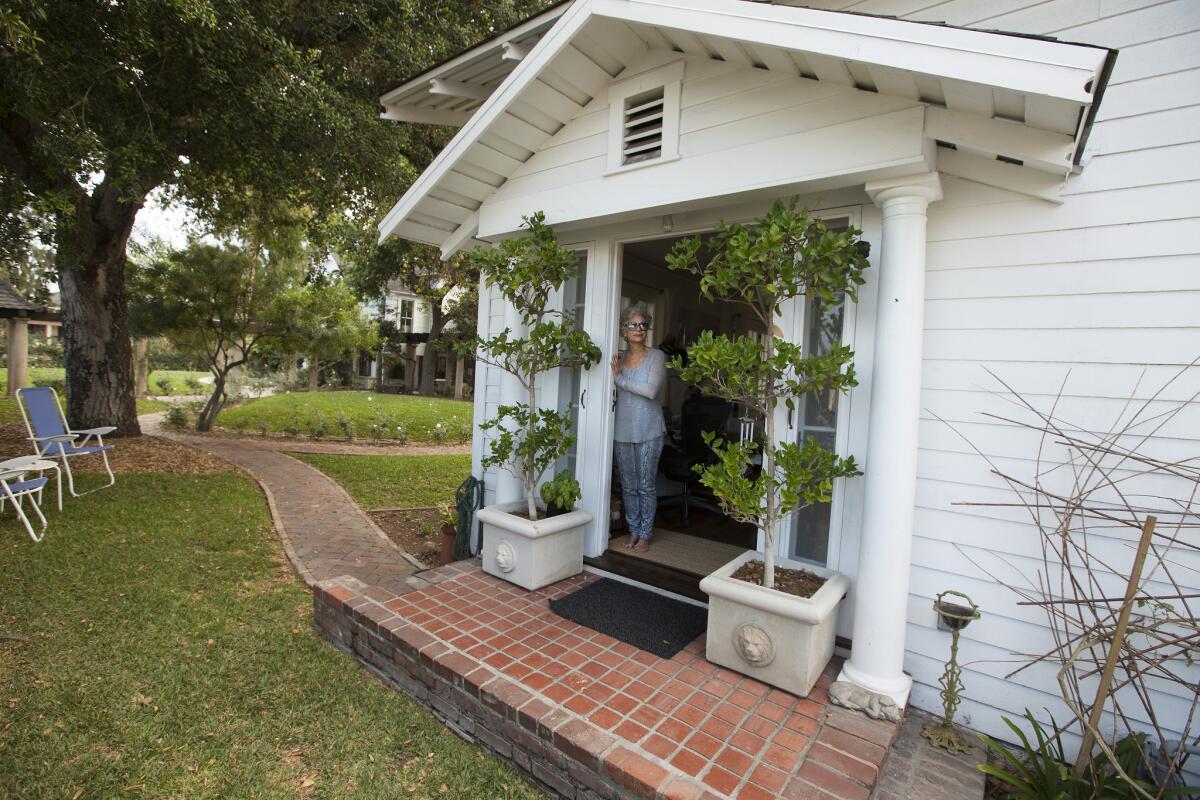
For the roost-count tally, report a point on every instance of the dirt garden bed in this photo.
(414, 530)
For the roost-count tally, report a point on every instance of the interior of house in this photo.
(692, 536)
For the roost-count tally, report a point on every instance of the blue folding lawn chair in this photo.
(15, 487)
(52, 438)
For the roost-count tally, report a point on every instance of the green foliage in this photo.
(787, 255)
(323, 320)
(177, 416)
(396, 418)
(318, 428)
(527, 270)
(531, 438)
(394, 481)
(562, 491)
(1040, 770)
(251, 113)
(447, 514)
(164, 386)
(217, 302)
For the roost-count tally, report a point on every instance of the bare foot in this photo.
(641, 546)
(629, 543)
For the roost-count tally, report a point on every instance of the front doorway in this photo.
(692, 537)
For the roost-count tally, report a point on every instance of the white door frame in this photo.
(604, 293)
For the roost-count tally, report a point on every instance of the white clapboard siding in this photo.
(1105, 286)
(487, 384)
(737, 125)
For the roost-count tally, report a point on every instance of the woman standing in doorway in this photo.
(639, 429)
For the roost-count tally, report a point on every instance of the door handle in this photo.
(583, 399)
(614, 401)
(789, 419)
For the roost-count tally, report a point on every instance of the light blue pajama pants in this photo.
(637, 465)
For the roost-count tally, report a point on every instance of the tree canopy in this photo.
(217, 301)
(219, 103)
(450, 288)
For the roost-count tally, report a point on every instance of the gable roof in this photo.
(991, 91)
(449, 92)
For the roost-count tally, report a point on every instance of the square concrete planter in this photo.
(777, 638)
(532, 554)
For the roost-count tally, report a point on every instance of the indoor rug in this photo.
(681, 551)
(648, 621)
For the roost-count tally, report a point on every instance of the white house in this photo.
(1032, 198)
(413, 320)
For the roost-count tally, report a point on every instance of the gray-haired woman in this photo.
(639, 429)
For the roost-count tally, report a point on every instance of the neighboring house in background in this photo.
(22, 316)
(402, 370)
(1033, 207)
(48, 328)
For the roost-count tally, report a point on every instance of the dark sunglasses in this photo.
(636, 326)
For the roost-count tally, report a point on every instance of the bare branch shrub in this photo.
(1088, 496)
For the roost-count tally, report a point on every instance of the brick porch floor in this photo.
(591, 717)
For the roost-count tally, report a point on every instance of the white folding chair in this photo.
(15, 487)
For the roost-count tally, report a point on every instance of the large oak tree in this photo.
(217, 103)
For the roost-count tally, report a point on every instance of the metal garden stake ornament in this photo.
(954, 617)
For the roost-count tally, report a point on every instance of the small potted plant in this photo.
(560, 494)
(447, 516)
(773, 621)
(524, 438)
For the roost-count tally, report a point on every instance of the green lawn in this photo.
(10, 413)
(171, 654)
(177, 379)
(404, 481)
(369, 416)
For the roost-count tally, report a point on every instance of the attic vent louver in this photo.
(642, 127)
(643, 119)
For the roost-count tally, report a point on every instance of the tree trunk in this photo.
(768, 466)
(95, 310)
(216, 401)
(141, 366)
(379, 364)
(437, 321)
(314, 374)
(410, 368)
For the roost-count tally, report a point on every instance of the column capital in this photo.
(925, 187)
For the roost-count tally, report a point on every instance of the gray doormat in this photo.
(648, 621)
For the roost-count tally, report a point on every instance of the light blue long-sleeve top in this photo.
(639, 415)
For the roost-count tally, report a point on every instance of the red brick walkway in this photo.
(583, 714)
(588, 715)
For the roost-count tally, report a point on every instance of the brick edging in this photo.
(563, 752)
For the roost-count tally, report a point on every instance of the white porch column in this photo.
(880, 609)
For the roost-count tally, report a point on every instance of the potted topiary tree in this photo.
(773, 619)
(525, 439)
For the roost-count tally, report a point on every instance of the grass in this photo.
(367, 414)
(10, 413)
(171, 654)
(55, 376)
(404, 481)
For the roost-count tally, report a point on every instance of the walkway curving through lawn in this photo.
(325, 534)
